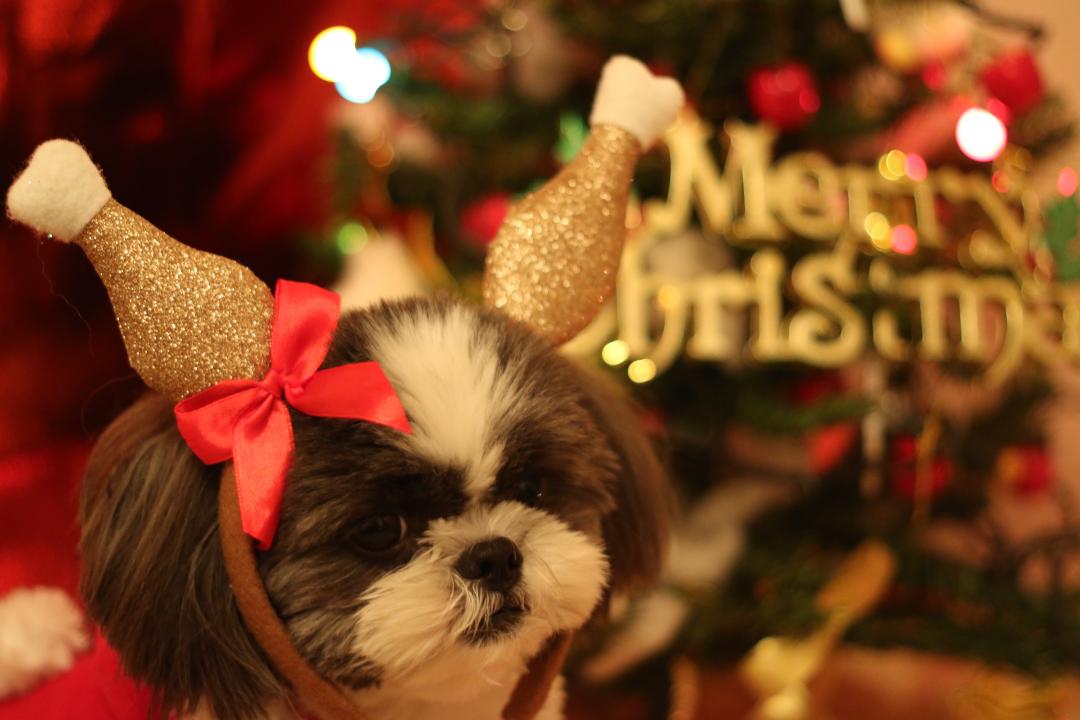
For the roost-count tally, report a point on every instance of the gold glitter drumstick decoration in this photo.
(189, 318)
(554, 261)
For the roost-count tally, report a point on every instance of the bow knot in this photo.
(249, 422)
(272, 383)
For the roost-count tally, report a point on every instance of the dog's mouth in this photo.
(501, 623)
(509, 614)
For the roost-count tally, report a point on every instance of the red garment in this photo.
(94, 689)
(38, 540)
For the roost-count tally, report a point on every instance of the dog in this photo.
(418, 573)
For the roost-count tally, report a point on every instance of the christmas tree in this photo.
(847, 317)
(837, 306)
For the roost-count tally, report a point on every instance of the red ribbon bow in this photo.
(248, 421)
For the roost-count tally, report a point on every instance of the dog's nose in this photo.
(495, 563)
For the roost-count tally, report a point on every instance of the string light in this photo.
(894, 164)
(357, 73)
(915, 167)
(884, 170)
(877, 227)
(368, 71)
(350, 237)
(1067, 181)
(980, 134)
(615, 352)
(641, 371)
(330, 53)
(904, 240)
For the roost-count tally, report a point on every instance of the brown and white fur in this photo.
(512, 444)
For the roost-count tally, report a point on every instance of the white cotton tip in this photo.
(41, 632)
(631, 97)
(59, 191)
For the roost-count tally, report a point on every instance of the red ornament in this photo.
(829, 445)
(935, 75)
(1025, 468)
(904, 470)
(1014, 78)
(785, 95)
(482, 218)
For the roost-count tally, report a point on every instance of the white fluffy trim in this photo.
(631, 97)
(59, 192)
(41, 632)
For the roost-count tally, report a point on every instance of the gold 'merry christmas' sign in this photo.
(852, 290)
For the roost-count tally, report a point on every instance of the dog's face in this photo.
(409, 564)
(418, 561)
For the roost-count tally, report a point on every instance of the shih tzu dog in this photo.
(419, 572)
(437, 509)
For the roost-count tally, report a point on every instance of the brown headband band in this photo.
(311, 689)
(314, 693)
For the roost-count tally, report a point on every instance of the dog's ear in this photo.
(153, 574)
(636, 532)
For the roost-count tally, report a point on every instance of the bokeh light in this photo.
(980, 134)
(1067, 181)
(615, 352)
(331, 53)
(877, 227)
(915, 167)
(641, 371)
(894, 164)
(904, 240)
(368, 71)
(350, 237)
(889, 169)
(357, 73)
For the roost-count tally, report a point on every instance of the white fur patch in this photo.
(59, 192)
(445, 369)
(415, 621)
(41, 632)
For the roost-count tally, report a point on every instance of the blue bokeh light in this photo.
(368, 71)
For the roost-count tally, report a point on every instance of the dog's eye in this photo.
(379, 533)
(529, 492)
